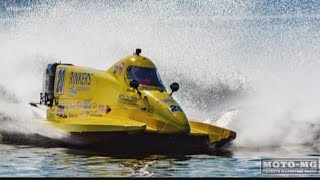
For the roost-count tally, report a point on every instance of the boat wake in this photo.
(22, 124)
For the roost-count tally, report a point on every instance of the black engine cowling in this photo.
(47, 95)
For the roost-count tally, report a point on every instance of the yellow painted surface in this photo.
(215, 133)
(89, 100)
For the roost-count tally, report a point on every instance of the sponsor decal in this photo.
(101, 108)
(60, 109)
(61, 112)
(72, 106)
(127, 99)
(104, 108)
(62, 104)
(87, 104)
(290, 166)
(60, 80)
(72, 91)
(118, 67)
(63, 116)
(167, 100)
(150, 109)
(121, 66)
(80, 104)
(80, 78)
(174, 108)
(87, 112)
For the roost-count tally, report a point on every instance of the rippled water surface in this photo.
(18, 160)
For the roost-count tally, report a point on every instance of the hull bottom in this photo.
(121, 142)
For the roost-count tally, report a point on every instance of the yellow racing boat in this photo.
(124, 108)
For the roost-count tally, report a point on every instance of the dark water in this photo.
(28, 161)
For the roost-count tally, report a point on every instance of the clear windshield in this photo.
(145, 76)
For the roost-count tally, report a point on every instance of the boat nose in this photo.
(168, 113)
(180, 122)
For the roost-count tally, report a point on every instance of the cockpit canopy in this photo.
(145, 76)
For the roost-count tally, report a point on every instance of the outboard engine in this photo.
(47, 96)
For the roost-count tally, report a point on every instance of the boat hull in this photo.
(148, 142)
